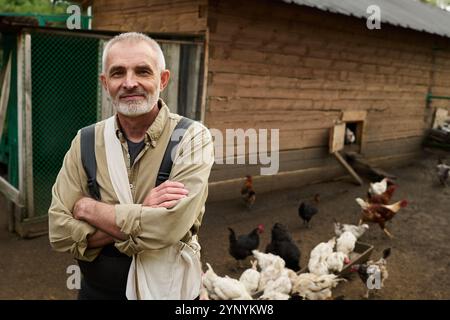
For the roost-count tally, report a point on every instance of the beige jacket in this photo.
(147, 228)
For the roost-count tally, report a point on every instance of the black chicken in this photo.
(283, 245)
(307, 210)
(242, 246)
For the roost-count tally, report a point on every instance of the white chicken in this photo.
(378, 187)
(272, 273)
(317, 261)
(346, 243)
(250, 278)
(203, 292)
(313, 287)
(224, 288)
(358, 231)
(349, 136)
(274, 295)
(335, 262)
(281, 284)
(266, 259)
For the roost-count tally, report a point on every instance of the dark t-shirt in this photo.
(133, 149)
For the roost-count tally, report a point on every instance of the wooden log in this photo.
(10, 192)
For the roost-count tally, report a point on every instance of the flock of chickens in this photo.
(276, 273)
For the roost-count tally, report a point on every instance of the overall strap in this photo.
(167, 162)
(87, 144)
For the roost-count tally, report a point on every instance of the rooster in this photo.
(307, 210)
(443, 172)
(247, 193)
(283, 245)
(241, 247)
(380, 213)
(382, 198)
(377, 270)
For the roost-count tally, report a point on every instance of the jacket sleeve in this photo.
(67, 234)
(155, 228)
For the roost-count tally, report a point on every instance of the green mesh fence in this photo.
(9, 140)
(65, 83)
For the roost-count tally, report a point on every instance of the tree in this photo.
(443, 4)
(33, 6)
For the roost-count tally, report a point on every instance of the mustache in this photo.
(134, 92)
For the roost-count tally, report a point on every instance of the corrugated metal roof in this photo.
(411, 14)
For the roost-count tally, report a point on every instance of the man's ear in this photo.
(165, 75)
(103, 80)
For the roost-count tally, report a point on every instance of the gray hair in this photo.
(135, 37)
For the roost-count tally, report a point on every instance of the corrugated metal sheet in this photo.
(411, 14)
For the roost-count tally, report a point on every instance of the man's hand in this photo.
(83, 208)
(166, 195)
(99, 239)
(99, 215)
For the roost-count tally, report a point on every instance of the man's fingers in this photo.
(170, 190)
(170, 197)
(156, 202)
(169, 183)
(166, 192)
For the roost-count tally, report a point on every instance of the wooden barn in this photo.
(301, 67)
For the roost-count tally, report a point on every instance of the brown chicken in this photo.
(383, 198)
(380, 213)
(247, 193)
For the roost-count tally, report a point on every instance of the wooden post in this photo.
(5, 79)
(348, 167)
(28, 132)
(172, 56)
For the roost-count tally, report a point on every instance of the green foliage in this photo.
(33, 6)
(439, 3)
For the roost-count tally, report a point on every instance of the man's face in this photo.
(132, 78)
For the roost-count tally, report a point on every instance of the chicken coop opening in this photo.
(353, 136)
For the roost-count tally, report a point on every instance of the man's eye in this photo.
(145, 72)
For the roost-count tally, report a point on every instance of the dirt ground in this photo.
(418, 266)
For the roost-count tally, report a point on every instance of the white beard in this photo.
(135, 108)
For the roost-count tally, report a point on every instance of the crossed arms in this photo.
(82, 226)
(102, 215)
